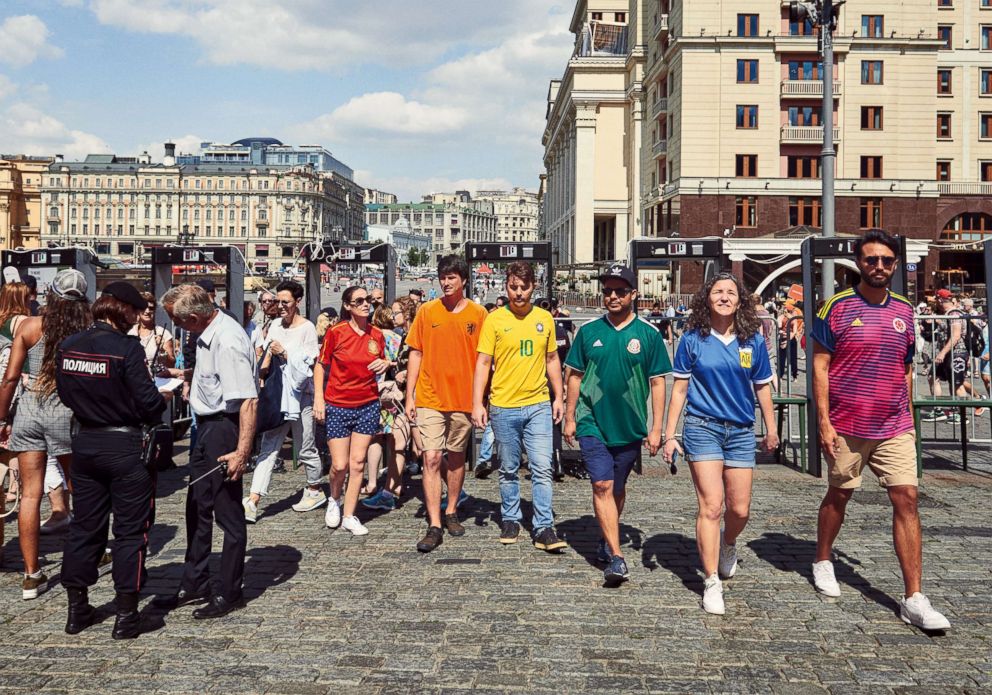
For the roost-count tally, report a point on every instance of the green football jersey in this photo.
(617, 366)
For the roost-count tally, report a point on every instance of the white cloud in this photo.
(412, 189)
(7, 87)
(383, 113)
(25, 129)
(24, 39)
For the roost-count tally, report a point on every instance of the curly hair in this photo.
(409, 309)
(746, 321)
(62, 318)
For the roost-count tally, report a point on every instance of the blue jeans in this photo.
(706, 439)
(486, 448)
(529, 428)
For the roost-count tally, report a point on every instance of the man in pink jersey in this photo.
(862, 379)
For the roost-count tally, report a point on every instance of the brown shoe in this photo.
(433, 538)
(454, 526)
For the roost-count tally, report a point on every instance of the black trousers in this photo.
(788, 358)
(214, 498)
(107, 476)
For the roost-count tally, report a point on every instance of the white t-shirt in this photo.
(151, 343)
(298, 338)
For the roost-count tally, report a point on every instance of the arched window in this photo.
(968, 226)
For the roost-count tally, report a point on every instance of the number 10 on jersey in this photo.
(526, 348)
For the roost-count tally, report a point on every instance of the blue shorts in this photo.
(342, 422)
(608, 462)
(706, 439)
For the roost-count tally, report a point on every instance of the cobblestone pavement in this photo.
(328, 611)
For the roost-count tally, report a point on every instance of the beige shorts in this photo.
(444, 431)
(892, 460)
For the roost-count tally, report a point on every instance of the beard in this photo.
(873, 282)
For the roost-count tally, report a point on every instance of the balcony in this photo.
(660, 25)
(660, 107)
(806, 89)
(599, 39)
(660, 148)
(965, 188)
(805, 134)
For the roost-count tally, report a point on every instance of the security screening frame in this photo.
(227, 258)
(357, 254)
(492, 253)
(43, 264)
(812, 250)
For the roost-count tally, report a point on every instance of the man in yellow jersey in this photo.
(520, 337)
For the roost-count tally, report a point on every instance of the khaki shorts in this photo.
(892, 460)
(444, 431)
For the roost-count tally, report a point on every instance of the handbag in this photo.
(5, 473)
(269, 414)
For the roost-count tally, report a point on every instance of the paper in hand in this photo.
(167, 384)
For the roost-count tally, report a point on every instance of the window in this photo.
(985, 125)
(986, 38)
(804, 115)
(871, 167)
(944, 126)
(946, 34)
(801, 29)
(747, 71)
(943, 171)
(986, 83)
(985, 169)
(746, 165)
(871, 72)
(747, 25)
(747, 211)
(804, 211)
(803, 167)
(620, 17)
(871, 118)
(944, 81)
(805, 69)
(747, 116)
(945, 3)
(872, 25)
(871, 213)
(597, 16)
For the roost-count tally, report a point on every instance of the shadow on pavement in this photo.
(582, 535)
(678, 554)
(790, 554)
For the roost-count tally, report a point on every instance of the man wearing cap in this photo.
(615, 364)
(953, 358)
(101, 376)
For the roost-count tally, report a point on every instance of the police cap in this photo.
(127, 294)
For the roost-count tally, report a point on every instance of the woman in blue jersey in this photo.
(721, 365)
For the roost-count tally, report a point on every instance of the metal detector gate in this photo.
(490, 254)
(43, 264)
(812, 250)
(226, 258)
(359, 254)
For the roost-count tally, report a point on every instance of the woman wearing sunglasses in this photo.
(353, 356)
(721, 365)
(157, 341)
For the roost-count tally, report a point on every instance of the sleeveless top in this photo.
(36, 354)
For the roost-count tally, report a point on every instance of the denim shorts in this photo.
(706, 439)
(609, 463)
(342, 422)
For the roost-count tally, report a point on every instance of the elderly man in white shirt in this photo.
(224, 396)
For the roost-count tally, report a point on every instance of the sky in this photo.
(416, 96)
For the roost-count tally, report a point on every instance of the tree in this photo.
(415, 257)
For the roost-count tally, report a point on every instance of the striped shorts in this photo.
(41, 424)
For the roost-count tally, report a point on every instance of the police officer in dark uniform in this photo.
(101, 376)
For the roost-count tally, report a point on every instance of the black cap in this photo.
(31, 281)
(417, 291)
(206, 285)
(618, 271)
(330, 312)
(127, 294)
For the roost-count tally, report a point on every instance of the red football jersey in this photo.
(347, 356)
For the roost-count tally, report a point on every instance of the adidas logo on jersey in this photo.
(857, 322)
(598, 343)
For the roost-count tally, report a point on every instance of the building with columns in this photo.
(449, 220)
(20, 200)
(516, 213)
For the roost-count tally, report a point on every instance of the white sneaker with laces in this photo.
(824, 579)
(251, 510)
(713, 596)
(332, 517)
(916, 610)
(351, 523)
(311, 499)
(727, 566)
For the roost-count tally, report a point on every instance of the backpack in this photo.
(974, 339)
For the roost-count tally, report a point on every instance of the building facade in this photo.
(592, 137)
(402, 237)
(20, 200)
(448, 224)
(124, 206)
(268, 151)
(516, 213)
(377, 197)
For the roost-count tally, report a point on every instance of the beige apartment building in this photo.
(516, 213)
(20, 200)
(124, 206)
(448, 219)
(593, 135)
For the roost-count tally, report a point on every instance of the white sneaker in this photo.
(713, 595)
(916, 610)
(727, 566)
(251, 510)
(824, 579)
(311, 499)
(332, 517)
(351, 523)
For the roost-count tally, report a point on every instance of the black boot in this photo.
(81, 613)
(128, 622)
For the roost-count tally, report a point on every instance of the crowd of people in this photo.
(370, 386)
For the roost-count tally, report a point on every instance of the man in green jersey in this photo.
(615, 363)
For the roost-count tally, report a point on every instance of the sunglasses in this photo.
(887, 261)
(267, 301)
(360, 301)
(286, 302)
(618, 291)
